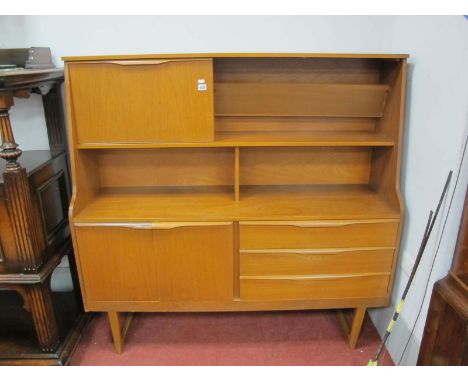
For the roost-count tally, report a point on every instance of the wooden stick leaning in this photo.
(422, 247)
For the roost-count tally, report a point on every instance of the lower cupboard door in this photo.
(117, 263)
(195, 261)
(156, 261)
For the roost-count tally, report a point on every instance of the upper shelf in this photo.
(266, 139)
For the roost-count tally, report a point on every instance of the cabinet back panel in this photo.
(293, 165)
(133, 102)
(166, 167)
(300, 99)
(318, 70)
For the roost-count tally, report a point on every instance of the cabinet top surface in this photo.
(233, 55)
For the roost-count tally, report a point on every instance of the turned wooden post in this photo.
(39, 297)
(17, 193)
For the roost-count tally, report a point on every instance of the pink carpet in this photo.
(257, 338)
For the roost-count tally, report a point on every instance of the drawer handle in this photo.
(316, 224)
(153, 225)
(317, 251)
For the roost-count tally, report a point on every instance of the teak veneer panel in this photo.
(172, 262)
(195, 263)
(324, 165)
(299, 99)
(294, 124)
(218, 204)
(171, 167)
(265, 139)
(297, 70)
(271, 262)
(155, 101)
(314, 288)
(326, 234)
(117, 264)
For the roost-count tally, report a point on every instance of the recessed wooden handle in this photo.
(316, 224)
(314, 251)
(171, 225)
(147, 62)
(153, 225)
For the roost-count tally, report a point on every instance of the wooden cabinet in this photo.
(38, 325)
(241, 182)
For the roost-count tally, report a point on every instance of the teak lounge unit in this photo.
(235, 182)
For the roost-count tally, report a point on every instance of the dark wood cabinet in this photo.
(37, 326)
(445, 339)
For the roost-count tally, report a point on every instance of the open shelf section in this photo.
(300, 99)
(217, 204)
(267, 139)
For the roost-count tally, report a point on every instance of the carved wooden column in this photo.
(25, 231)
(17, 193)
(42, 310)
(53, 110)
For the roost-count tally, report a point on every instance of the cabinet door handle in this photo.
(149, 62)
(153, 225)
(170, 225)
(316, 224)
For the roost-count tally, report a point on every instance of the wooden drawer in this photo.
(173, 261)
(315, 262)
(141, 101)
(318, 234)
(303, 288)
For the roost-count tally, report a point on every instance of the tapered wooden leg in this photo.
(353, 332)
(119, 332)
(358, 319)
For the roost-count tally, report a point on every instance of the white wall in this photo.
(436, 123)
(436, 130)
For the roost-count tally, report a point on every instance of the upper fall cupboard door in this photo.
(142, 101)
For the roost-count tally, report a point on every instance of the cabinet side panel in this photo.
(386, 162)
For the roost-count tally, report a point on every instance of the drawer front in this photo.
(117, 263)
(320, 234)
(315, 262)
(362, 286)
(142, 101)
